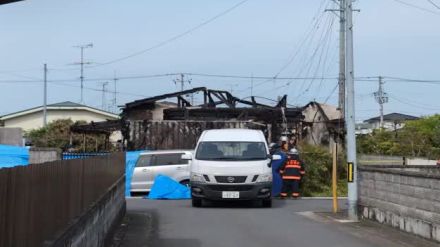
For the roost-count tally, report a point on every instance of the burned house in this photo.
(172, 121)
(322, 124)
(184, 121)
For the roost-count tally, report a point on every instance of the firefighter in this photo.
(284, 143)
(291, 172)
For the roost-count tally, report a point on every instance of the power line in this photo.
(332, 92)
(417, 7)
(307, 66)
(325, 47)
(413, 104)
(98, 90)
(359, 79)
(313, 27)
(412, 80)
(397, 79)
(176, 37)
(255, 77)
(308, 38)
(434, 4)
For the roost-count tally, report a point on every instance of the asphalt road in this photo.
(289, 223)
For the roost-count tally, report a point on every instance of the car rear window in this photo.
(169, 159)
(144, 160)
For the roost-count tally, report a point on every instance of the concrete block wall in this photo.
(405, 198)
(11, 136)
(94, 228)
(42, 155)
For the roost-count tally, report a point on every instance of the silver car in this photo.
(151, 164)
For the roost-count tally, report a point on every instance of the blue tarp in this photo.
(130, 163)
(165, 187)
(277, 182)
(11, 156)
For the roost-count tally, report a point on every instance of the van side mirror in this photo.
(276, 157)
(187, 157)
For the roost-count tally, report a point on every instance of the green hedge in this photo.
(318, 179)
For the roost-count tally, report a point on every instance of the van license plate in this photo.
(231, 194)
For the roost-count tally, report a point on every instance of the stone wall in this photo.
(95, 227)
(406, 198)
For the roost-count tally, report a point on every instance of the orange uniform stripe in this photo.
(293, 166)
(292, 177)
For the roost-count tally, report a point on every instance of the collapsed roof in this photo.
(217, 104)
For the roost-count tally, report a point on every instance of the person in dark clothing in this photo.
(277, 182)
(291, 171)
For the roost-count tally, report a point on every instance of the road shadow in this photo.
(242, 204)
(176, 243)
(142, 229)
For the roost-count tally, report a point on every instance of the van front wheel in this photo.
(197, 203)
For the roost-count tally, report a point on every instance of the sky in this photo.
(254, 38)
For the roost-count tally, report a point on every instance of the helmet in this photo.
(274, 145)
(284, 138)
(293, 151)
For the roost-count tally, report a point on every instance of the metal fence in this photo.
(37, 201)
(71, 156)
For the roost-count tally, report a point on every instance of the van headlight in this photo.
(264, 178)
(195, 177)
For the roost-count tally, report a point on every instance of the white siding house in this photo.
(33, 118)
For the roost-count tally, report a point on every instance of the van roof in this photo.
(233, 135)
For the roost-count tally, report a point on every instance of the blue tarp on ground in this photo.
(11, 156)
(277, 182)
(165, 187)
(130, 163)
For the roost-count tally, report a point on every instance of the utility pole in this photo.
(342, 57)
(381, 98)
(82, 63)
(182, 82)
(252, 84)
(45, 97)
(104, 91)
(340, 12)
(115, 102)
(350, 114)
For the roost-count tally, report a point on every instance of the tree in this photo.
(418, 138)
(57, 135)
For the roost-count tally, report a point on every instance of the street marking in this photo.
(312, 216)
(324, 218)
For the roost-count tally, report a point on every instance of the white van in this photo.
(231, 164)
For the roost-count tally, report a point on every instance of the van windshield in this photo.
(228, 151)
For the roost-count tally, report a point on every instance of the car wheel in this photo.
(267, 203)
(197, 203)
